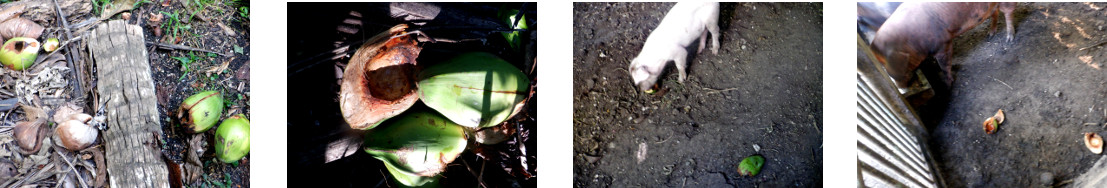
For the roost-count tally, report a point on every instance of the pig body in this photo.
(916, 31)
(871, 15)
(684, 23)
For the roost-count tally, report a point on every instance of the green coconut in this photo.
(474, 89)
(232, 139)
(201, 111)
(19, 53)
(416, 145)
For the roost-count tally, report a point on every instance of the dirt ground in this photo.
(1050, 83)
(763, 89)
(315, 121)
(176, 81)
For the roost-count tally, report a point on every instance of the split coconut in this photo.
(379, 81)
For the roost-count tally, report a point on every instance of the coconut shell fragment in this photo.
(1093, 142)
(75, 134)
(379, 81)
(991, 125)
(999, 116)
(29, 133)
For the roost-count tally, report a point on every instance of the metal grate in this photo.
(891, 141)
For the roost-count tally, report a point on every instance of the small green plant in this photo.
(244, 12)
(174, 24)
(185, 62)
(98, 6)
(198, 6)
(139, 3)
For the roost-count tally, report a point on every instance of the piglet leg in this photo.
(713, 27)
(703, 42)
(1008, 8)
(679, 60)
(945, 60)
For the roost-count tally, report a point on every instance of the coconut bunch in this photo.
(469, 94)
(202, 110)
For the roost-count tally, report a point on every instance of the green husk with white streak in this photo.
(416, 145)
(474, 89)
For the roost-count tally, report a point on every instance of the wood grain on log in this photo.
(44, 12)
(124, 79)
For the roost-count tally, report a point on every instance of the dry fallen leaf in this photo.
(116, 7)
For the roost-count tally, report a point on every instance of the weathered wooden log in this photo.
(44, 12)
(124, 80)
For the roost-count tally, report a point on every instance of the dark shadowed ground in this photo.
(763, 89)
(1050, 81)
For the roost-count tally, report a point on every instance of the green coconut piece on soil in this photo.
(751, 165)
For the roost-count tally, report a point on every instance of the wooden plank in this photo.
(1096, 176)
(123, 79)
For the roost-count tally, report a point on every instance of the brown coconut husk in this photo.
(29, 133)
(379, 81)
(1093, 142)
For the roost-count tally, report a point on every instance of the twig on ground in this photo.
(1063, 183)
(464, 162)
(183, 47)
(71, 167)
(1092, 46)
(1000, 81)
(719, 90)
(817, 128)
(480, 178)
(69, 56)
(60, 46)
(33, 176)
